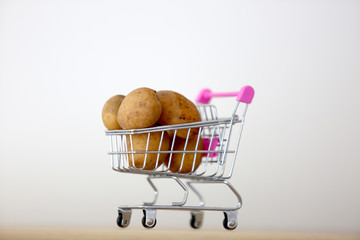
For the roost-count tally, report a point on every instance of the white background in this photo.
(61, 60)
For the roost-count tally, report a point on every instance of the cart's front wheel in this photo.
(149, 218)
(148, 223)
(230, 220)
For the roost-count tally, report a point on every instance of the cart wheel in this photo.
(123, 218)
(149, 218)
(149, 223)
(230, 220)
(196, 219)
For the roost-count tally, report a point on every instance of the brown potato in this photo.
(189, 158)
(141, 108)
(110, 111)
(139, 142)
(177, 109)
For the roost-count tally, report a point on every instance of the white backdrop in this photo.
(61, 60)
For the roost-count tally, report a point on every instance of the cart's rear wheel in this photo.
(123, 218)
(230, 221)
(196, 219)
(119, 220)
(193, 223)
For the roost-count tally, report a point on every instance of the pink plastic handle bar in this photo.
(245, 95)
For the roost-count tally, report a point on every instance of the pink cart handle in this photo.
(245, 95)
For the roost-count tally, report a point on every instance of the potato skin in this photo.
(110, 111)
(176, 158)
(141, 108)
(139, 142)
(177, 109)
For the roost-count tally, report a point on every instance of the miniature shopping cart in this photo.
(219, 138)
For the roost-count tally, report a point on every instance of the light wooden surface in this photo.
(156, 234)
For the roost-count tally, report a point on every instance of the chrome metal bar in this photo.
(156, 192)
(185, 195)
(197, 193)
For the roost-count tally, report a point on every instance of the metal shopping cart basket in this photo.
(212, 153)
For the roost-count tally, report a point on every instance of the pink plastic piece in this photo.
(214, 143)
(245, 95)
(204, 96)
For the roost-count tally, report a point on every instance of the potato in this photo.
(141, 108)
(139, 142)
(110, 111)
(189, 158)
(177, 109)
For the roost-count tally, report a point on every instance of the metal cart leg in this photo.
(198, 194)
(186, 192)
(156, 192)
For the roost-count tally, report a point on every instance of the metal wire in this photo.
(215, 163)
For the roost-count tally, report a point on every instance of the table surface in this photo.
(14, 233)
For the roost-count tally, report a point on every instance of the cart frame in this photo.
(216, 166)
